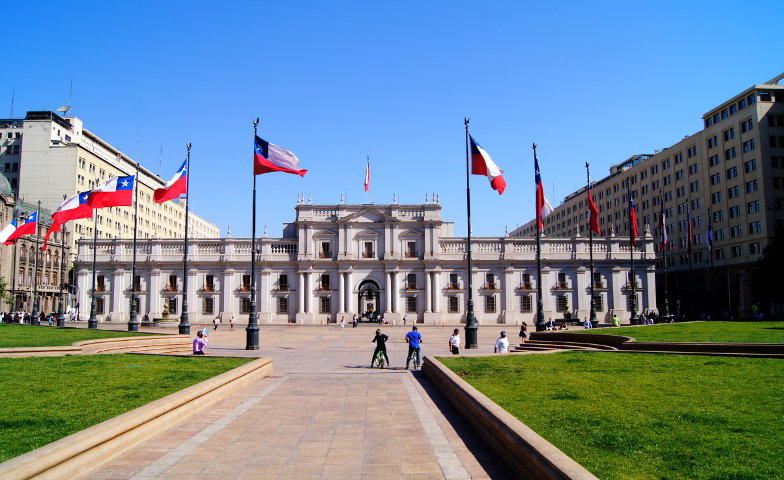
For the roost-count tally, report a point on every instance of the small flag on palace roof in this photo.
(27, 228)
(115, 192)
(367, 176)
(174, 187)
(272, 158)
(633, 231)
(594, 220)
(72, 208)
(543, 207)
(6, 232)
(482, 164)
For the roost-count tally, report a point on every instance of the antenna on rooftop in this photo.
(13, 94)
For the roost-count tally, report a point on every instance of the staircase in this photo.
(551, 345)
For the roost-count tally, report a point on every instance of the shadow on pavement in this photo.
(489, 460)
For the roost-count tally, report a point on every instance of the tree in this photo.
(5, 294)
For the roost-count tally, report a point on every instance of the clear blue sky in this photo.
(586, 81)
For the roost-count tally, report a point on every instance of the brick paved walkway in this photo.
(323, 414)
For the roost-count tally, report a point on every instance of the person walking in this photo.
(523, 333)
(381, 346)
(231, 323)
(215, 324)
(342, 322)
(404, 320)
(502, 344)
(454, 342)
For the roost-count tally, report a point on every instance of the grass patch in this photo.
(742, 332)
(43, 399)
(43, 336)
(642, 416)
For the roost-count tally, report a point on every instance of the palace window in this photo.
(325, 305)
(411, 281)
(411, 250)
(209, 283)
(282, 305)
(245, 283)
(454, 304)
(526, 304)
(283, 282)
(562, 303)
(172, 305)
(598, 303)
(411, 304)
(490, 281)
(207, 306)
(368, 251)
(454, 283)
(245, 305)
(99, 306)
(172, 287)
(100, 283)
(324, 283)
(489, 303)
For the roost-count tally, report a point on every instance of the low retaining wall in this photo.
(526, 452)
(101, 345)
(84, 451)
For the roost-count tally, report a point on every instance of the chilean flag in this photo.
(72, 208)
(7, 232)
(543, 207)
(174, 187)
(594, 221)
(271, 158)
(115, 192)
(367, 176)
(27, 228)
(633, 222)
(482, 164)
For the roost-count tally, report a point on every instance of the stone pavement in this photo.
(323, 414)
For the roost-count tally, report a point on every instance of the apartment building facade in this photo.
(730, 174)
(340, 260)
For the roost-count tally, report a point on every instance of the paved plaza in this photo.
(322, 414)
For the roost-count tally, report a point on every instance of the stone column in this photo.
(388, 293)
(396, 292)
(436, 291)
(227, 290)
(154, 304)
(427, 293)
(508, 293)
(301, 293)
(115, 307)
(341, 293)
(617, 305)
(308, 292)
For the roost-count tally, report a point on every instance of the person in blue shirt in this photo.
(414, 340)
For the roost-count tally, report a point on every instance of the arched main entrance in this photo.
(369, 300)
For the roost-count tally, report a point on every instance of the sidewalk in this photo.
(323, 414)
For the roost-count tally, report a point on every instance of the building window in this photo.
(209, 283)
(283, 282)
(598, 303)
(752, 186)
(411, 251)
(282, 305)
(326, 251)
(526, 281)
(562, 303)
(324, 283)
(245, 305)
(172, 301)
(718, 254)
(748, 145)
(713, 160)
(729, 134)
(730, 153)
(489, 303)
(734, 211)
(736, 231)
(172, 287)
(737, 251)
(750, 166)
(325, 305)
(753, 207)
(733, 192)
(411, 283)
(454, 304)
(526, 304)
(246, 283)
(100, 283)
(490, 281)
(207, 306)
(755, 227)
(754, 248)
(411, 304)
(453, 281)
(746, 126)
(561, 280)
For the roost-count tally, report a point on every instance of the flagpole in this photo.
(539, 305)
(471, 328)
(185, 326)
(13, 279)
(61, 308)
(592, 315)
(252, 330)
(92, 322)
(367, 172)
(666, 313)
(34, 319)
(633, 282)
(133, 321)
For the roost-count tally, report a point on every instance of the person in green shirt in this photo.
(615, 321)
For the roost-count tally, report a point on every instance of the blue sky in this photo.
(588, 82)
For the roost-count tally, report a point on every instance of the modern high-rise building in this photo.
(46, 157)
(729, 175)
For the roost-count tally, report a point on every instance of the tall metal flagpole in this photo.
(252, 330)
(34, 317)
(631, 256)
(471, 328)
(185, 326)
(666, 313)
(61, 308)
(92, 322)
(14, 272)
(592, 317)
(133, 321)
(540, 327)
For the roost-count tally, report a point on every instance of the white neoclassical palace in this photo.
(395, 260)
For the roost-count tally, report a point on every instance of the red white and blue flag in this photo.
(662, 230)
(272, 158)
(115, 192)
(367, 176)
(174, 187)
(633, 232)
(72, 208)
(482, 164)
(543, 207)
(594, 220)
(7, 232)
(29, 227)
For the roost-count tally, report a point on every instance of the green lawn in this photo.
(43, 399)
(14, 335)
(643, 416)
(744, 332)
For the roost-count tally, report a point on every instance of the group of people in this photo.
(217, 320)
(41, 318)
(413, 338)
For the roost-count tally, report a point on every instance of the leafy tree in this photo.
(5, 294)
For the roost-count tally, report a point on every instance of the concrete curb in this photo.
(84, 451)
(523, 450)
(102, 345)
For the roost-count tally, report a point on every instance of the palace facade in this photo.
(395, 260)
